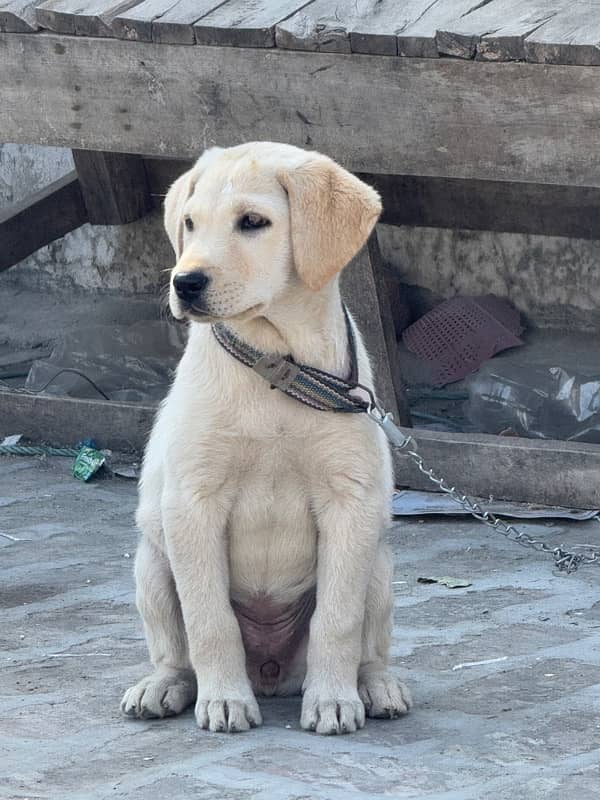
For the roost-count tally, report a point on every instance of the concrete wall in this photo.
(112, 258)
(553, 280)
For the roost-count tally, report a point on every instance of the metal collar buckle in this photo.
(279, 372)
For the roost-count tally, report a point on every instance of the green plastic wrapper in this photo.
(87, 463)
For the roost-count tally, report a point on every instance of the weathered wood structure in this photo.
(464, 114)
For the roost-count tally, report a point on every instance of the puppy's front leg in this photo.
(350, 524)
(197, 548)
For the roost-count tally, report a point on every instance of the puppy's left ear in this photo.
(179, 193)
(332, 214)
(175, 200)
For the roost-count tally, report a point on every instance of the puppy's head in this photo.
(249, 222)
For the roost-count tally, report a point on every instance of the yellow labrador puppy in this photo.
(262, 567)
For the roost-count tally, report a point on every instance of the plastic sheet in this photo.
(536, 402)
(128, 363)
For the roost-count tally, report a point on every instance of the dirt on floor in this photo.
(505, 672)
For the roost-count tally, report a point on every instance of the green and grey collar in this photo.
(311, 386)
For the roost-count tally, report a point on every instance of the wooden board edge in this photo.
(66, 420)
(524, 470)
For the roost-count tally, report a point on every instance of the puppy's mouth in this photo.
(194, 313)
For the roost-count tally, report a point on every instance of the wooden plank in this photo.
(113, 185)
(570, 37)
(175, 25)
(363, 26)
(322, 26)
(364, 290)
(530, 208)
(376, 28)
(81, 17)
(135, 24)
(508, 468)
(18, 16)
(509, 23)
(175, 101)
(418, 38)
(40, 219)
(245, 23)
(67, 420)
(497, 29)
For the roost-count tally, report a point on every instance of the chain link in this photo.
(564, 560)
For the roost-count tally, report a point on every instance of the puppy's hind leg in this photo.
(383, 694)
(172, 686)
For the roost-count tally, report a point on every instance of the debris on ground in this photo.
(128, 363)
(130, 471)
(479, 663)
(456, 337)
(11, 441)
(446, 580)
(87, 463)
(539, 402)
(409, 503)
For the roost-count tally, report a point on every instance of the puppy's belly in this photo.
(273, 634)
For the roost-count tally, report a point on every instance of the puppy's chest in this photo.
(272, 483)
(272, 534)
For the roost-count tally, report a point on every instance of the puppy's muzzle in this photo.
(189, 288)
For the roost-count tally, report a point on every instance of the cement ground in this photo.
(524, 726)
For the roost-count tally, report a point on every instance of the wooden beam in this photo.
(440, 117)
(507, 467)
(40, 219)
(67, 420)
(531, 208)
(113, 185)
(422, 201)
(365, 292)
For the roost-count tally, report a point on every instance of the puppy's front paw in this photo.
(231, 711)
(384, 695)
(330, 712)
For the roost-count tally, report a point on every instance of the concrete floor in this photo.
(523, 727)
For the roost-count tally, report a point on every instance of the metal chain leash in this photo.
(564, 560)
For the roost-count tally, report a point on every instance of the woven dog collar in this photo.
(309, 385)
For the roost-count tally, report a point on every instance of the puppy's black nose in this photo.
(190, 285)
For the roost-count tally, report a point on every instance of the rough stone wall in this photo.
(552, 279)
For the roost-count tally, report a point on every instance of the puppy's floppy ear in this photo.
(175, 200)
(332, 214)
(177, 196)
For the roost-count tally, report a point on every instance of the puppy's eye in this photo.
(252, 222)
(189, 224)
